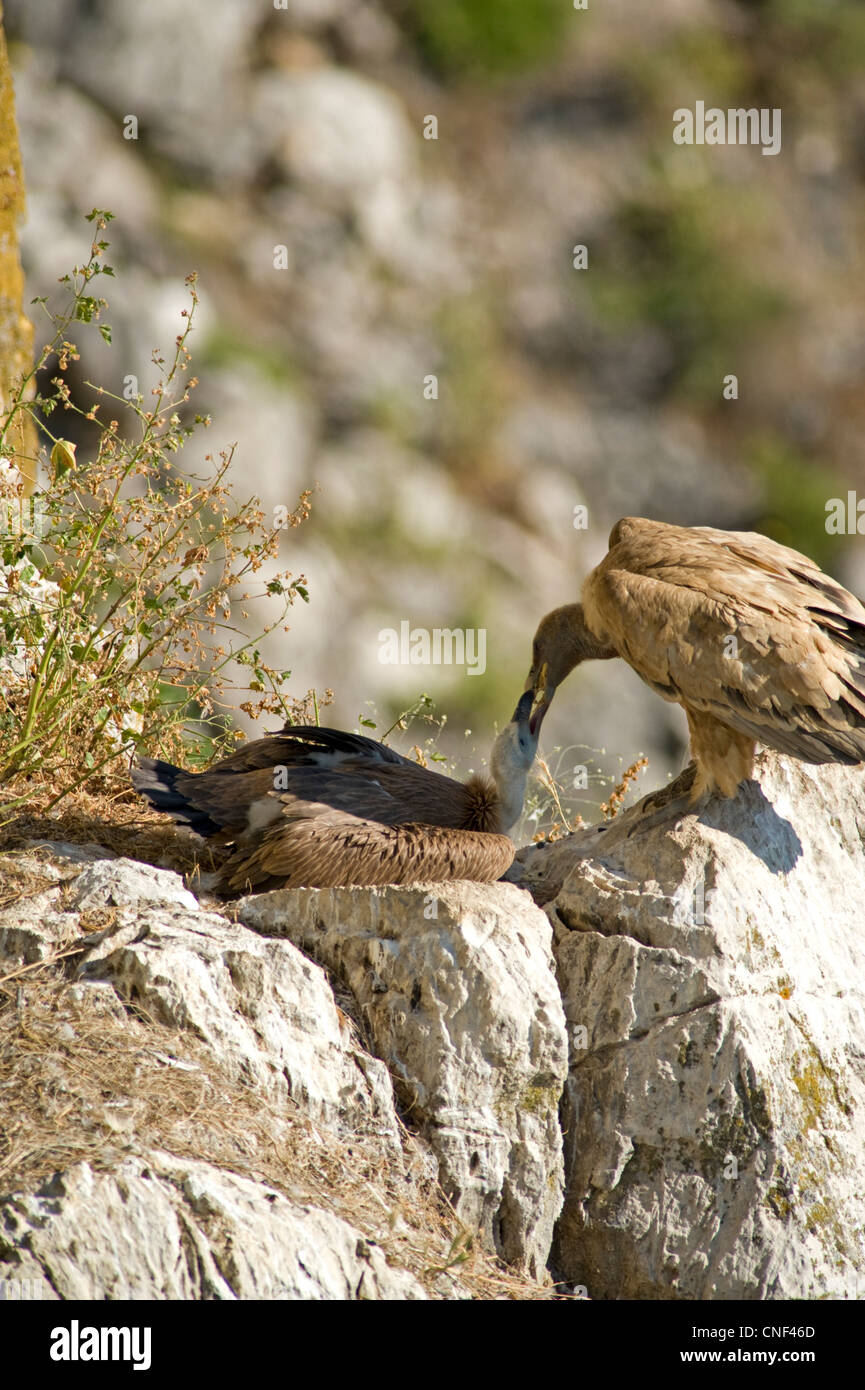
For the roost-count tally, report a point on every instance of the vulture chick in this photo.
(752, 639)
(316, 808)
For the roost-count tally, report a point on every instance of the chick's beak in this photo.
(543, 694)
(524, 706)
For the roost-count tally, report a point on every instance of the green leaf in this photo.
(86, 307)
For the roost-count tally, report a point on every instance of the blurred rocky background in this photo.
(303, 126)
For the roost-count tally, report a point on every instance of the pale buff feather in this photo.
(750, 637)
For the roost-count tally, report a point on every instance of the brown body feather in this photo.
(328, 851)
(312, 807)
(751, 638)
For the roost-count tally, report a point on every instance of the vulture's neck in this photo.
(510, 777)
(583, 644)
(511, 797)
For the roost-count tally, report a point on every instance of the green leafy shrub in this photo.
(119, 609)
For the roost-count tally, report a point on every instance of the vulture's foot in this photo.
(669, 804)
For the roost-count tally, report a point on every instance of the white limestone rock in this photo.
(165, 1228)
(62, 858)
(713, 975)
(127, 882)
(456, 987)
(33, 928)
(188, 94)
(267, 1012)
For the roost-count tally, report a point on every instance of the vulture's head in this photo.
(511, 760)
(559, 646)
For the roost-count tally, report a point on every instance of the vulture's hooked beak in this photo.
(542, 694)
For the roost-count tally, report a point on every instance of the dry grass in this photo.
(561, 821)
(108, 812)
(83, 1079)
(79, 1084)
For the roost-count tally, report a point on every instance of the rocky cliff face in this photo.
(651, 1084)
(300, 1164)
(714, 980)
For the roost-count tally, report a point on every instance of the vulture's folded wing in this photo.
(238, 801)
(302, 745)
(733, 625)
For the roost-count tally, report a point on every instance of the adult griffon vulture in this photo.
(752, 639)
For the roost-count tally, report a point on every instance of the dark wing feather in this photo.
(348, 772)
(302, 744)
(157, 781)
(383, 792)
